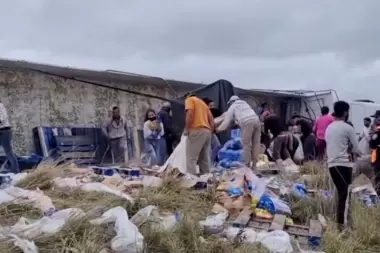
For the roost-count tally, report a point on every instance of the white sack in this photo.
(28, 228)
(128, 239)
(99, 187)
(21, 196)
(178, 158)
(25, 245)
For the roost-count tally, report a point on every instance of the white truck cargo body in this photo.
(360, 110)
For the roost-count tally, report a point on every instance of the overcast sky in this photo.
(292, 44)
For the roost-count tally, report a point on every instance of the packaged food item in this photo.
(263, 214)
(289, 221)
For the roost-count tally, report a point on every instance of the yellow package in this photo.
(261, 213)
(289, 221)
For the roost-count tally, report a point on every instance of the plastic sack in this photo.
(276, 241)
(128, 238)
(178, 158)
(143, 215)
(290, 166)
(299, 154)
(25, 245)
(235, 133)
(99, 187)
(248, 235)
(234, 144)
(9, 179)
(167, 223)
(224, 164)
(258, 186)
(214, 224)
(273, 205)
(5, 197)
(152, 181)
(299, 190)
(38, 198)
(28, 228)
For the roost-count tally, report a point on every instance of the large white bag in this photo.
(299, 154)
(178, 158)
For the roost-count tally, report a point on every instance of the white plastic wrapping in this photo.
(28, 228)
(178, 158)
(214, 224)
(21, 196)
(143, 215)
(94, 186)
(25, 245)
(128, 239)
(276, 241)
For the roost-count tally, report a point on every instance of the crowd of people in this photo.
(331, 137)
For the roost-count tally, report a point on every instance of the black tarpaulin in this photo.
(219, 92)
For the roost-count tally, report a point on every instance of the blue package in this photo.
(266, 203)
(234, 144)
(300, 190)
(222, 153)
(235, 133)
(224, 163)
(273, 205)
(234, 192)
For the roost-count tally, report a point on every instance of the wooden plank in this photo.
(298, 230)
(299, 227)
(278, 222)
(77, 155)
(322, 220)
(315, 229)
(259, 224)
(136, 143)
(243, 218)
(90, 148)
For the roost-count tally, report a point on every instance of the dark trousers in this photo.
(376, 178)
(169, 145)
(6, 143)
(342, 178)
(321, 149)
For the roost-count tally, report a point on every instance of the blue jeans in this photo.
(6, 143)
(156, 151)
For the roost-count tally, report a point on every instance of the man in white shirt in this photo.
(6, 139)
(364, 137)
(250, 128)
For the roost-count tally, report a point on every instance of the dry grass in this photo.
(80, 236)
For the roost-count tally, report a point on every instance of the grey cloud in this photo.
(255, 44)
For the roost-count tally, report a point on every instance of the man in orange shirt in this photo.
(199, 127)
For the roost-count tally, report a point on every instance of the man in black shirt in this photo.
(374, 144)
(167, 121)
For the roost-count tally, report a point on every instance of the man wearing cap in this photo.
(199, 125)
(245, 117)
(167, 122)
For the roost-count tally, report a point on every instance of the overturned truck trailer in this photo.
(282, 103)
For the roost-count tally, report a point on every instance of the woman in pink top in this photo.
(320, 128)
